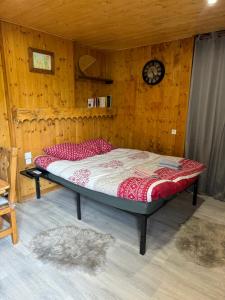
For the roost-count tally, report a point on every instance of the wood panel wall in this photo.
(27, 90)
(32, 90)
(147, 114)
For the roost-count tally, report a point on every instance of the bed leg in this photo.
(195, 193)
(78, 206)
(37, 186)
(144, 220)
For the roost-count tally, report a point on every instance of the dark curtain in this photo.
(205, 140)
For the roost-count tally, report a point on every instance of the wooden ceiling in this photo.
(116, 24)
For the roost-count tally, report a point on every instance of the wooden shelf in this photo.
(104, 80)
(20, 115)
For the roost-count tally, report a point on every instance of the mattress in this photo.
(126, 173)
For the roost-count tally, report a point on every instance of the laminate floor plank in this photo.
(163, 273)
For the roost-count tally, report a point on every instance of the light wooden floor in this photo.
(162, 273)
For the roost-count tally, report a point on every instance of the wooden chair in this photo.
(8, 168)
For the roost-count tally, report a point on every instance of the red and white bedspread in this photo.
(126, 173)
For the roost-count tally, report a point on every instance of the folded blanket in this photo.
(146, 170)
(167, 163)
(170, 167)
(149, 169)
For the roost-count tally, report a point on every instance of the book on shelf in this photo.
(109, 101)
(105, 101)
(90, 102)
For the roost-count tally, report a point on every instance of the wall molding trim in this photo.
(21, 115)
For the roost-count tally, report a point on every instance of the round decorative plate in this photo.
(153, 72)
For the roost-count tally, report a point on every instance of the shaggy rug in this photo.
(72, 247)
(202, 242)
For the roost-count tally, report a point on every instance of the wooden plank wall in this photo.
(34, 90)
(28, 89)
(147, 114)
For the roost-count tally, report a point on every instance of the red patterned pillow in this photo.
(44, 160)
(70, 151)
(104, 146)
(99, 145)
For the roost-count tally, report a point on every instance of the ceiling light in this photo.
(211, 2)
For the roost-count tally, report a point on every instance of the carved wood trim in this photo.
(21, 115)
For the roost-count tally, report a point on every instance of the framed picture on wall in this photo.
(41, 61)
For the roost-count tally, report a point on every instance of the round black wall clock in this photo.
(153, 72)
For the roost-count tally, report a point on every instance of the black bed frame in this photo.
(141, 209)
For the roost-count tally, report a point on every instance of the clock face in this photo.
(153, 72)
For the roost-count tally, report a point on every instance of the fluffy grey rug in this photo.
(72, 247)
(202, 242)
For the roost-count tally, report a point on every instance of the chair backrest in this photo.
(8, 170)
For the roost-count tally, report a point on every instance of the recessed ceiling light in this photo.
(211, 2)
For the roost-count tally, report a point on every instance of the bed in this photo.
(127, 179)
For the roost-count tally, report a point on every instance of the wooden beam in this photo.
(8, 103)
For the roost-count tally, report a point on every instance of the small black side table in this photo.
(35, 174)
